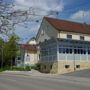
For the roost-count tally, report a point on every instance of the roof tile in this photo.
(69, 26)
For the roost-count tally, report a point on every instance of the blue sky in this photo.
(74, 10)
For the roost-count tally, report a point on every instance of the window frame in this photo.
(69, 36)
(82, 38)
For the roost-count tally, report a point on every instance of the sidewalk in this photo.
(29, 73)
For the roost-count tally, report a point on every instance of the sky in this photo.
(73, 10)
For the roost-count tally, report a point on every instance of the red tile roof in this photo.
(69, 26)
(29, 47)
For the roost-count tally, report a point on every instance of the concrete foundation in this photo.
(62, 67)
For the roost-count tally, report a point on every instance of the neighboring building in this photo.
(28, 53)
(64, 46)
(32, 41)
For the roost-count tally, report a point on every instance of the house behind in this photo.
(28, 53)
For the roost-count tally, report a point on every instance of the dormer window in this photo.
(69, 36)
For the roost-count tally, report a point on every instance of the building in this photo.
(28, 54)
(32, 41)
(64, 46)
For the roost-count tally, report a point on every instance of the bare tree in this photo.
(5, 23)
(9, 17)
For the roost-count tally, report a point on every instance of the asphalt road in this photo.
(82, 73)
(22, 82)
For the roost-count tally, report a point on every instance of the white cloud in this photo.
(40, 6)
(82, 16)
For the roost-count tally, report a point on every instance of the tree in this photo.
(9, 17)
(10, 50)
(5, 23)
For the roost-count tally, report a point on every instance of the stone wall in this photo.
(49, 67)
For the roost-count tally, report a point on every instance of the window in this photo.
(45, 67)
(81, 37)
(19, 58)
(50, 66)
(77, 66)
(81, 51)
(78, 51)
(69, 36)
(60, 50)
(84, 51)
(63, 50)
(27, 55)
(75, 51)
(67, 66)
(67, 50)
(70, 51)
(88, 51)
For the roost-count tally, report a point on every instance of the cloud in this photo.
(40, 6)
(81, 16)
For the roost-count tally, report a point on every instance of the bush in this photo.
(4, 68)
(1, 70)
(27, 68)
(34, 67)
(37, 66)
(7, 68)
(18, 69)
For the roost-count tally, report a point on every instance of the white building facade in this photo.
(64, 46)
(28, 54)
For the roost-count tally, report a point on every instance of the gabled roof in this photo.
(33, 38)
(69, 26)
(29, 47)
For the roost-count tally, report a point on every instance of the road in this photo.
(21, 82)
(82, 73)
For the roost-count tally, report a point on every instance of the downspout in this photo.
(74, 58)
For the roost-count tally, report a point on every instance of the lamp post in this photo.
(2, 56)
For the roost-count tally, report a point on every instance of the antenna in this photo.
(83, 17)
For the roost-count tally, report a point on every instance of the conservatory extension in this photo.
(64, 55)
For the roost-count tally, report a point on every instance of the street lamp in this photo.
(2, 56)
